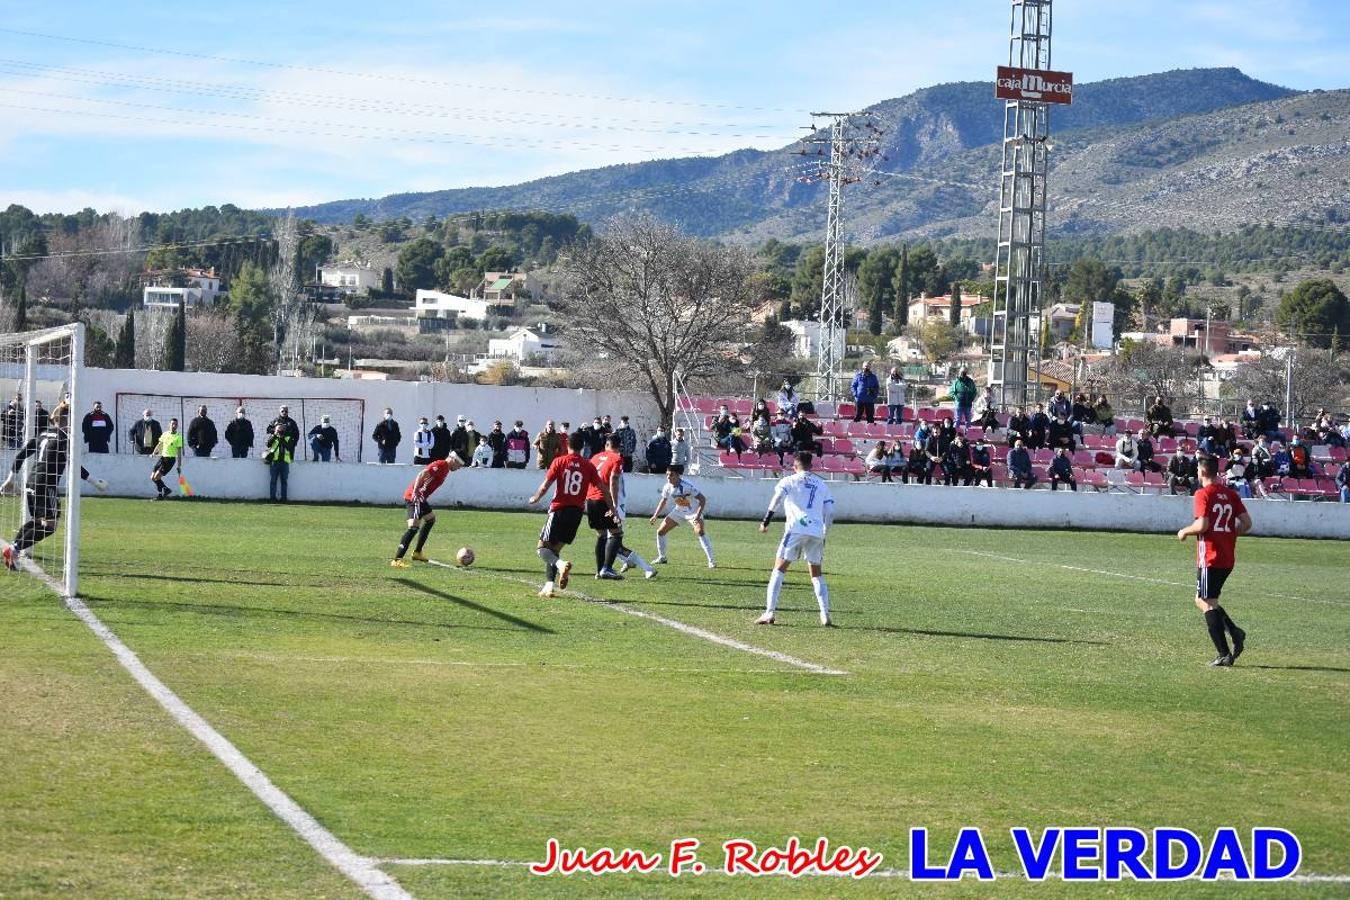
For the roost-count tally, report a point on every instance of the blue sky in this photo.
(304, 102)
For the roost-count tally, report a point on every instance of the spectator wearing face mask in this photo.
(1182, 473)
(482, 453)
(780, 431)
(981, 464)
(1039, 428)
(440, 439)
(878, 461)
(658, 452)
(517, 446)
(1127, 451)
(1146, 461)
(897, 393)
(145, 433)
(459, 440)
(323, 441)
(1061, 470)
(919, 465)
(628, 440)
(680, 451)
(1019, 466)
(285, 426)
(787, 400)
(1300, 461)
(595, 438)
(387, 437)
(423, 442)
(239, 434)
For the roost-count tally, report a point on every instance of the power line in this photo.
(101, 78)
(399, 79)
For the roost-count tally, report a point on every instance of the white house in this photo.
(350, 278)
(523, 344)
(806, 338)
(202, 288)
(440, 305)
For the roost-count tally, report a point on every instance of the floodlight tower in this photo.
(1028, 87)
(854, 140)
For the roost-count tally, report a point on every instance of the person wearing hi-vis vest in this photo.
(278, 459)
(169, 449)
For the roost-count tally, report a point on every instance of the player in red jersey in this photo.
(420, 514)
(572, 478)
(606, 521)
(1220, 518)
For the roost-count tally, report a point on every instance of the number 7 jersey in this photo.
(1221, 506)
(806, 502)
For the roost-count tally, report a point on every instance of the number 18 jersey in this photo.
(572, 477)
(1221, 506)
(804, 497)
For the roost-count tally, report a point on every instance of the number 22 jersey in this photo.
(1222, 507)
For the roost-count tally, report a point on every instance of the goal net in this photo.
(40, 454)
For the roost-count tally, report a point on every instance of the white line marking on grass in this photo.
(878, 873)
(1180, 584)
(361, 870)
(681, 627)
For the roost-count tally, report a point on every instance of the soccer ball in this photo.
(465, 556)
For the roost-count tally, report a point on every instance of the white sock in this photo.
(822, 594)
(635, 560)
(775, 586)
(661, 545)
(706, 543)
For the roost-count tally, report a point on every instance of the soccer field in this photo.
(984, 678)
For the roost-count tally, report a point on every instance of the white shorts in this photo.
(678, 515)
(807, 547)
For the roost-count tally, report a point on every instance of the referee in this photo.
(169, 449)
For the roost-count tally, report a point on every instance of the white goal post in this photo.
(38, 371)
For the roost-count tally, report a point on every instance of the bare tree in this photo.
(644, 303)
(213, 343)
(292, 318)
(1142, 371)
(1314, 378)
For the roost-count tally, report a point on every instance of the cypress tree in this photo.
(21, 310)
(175, 342)
(901, 317)
(955, 314)
(124, 357)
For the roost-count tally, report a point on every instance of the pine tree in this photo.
(21, 310)
(955, 313)
(124, 357)
(175, 342)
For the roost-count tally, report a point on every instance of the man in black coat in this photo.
(287, 427)
(97, 428)
(459, 441)
(201, 433)
(239, 434)
(387, 437)
(440, 439)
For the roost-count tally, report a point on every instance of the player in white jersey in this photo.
(810, 510)
(685, 502)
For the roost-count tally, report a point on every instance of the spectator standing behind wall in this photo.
(285, 426)
(440, 439)
(679, 451)
(628, 441)
(496, 441)
(387, 437)
(658, 452)
(278, 459)
(459, 440)
(1343, 481)
(145, 433)
(239, 434)
(473, 438)
(11, 425)
(423, 442)
(548, 445)
(201, 434)
(323, 441)
(517, 446)
(97, 428)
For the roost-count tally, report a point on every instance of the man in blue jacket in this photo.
(865, 390)
(1019, 466)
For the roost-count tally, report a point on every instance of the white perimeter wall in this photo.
(507, 489)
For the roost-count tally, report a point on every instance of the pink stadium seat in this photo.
(877, 430)
(843, 446)
(705, 404)
(729, 460)
(742, 407)
(1000, 473)
(928, 414)
(845, 410)
(824, 409)
(1339, 454)
(1321, 452)
(1085, 460)
(1192, 429)
(1003, 419)
(1094, 479)
(827, 464)
(836, 429)
(898, 431)
(1188, 446)
(1135, 480)
(1154, 479)
(708, 421)
(1042, 456)
(857, 429)
(773, 406)
(1167, 445)
(1136, 425)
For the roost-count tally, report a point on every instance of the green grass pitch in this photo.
(992, 681)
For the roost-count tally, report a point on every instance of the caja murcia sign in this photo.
(1034, 84)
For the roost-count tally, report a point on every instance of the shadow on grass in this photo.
(139, 576)
(221, 609)
(975, 634)
(1299, 668)
(477, 607)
